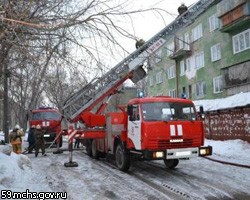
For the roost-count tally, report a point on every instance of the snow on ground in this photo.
(17, 173)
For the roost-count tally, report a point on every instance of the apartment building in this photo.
(208, 55)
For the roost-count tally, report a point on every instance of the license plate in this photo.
(183, 153)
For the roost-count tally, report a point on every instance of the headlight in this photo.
(158, 154)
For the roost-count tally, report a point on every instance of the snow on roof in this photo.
(238, 100)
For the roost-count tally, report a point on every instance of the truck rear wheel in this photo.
(171, 164)
(89, 147)
(122, 159)
(94, 150)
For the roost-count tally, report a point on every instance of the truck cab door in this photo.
(134, 127)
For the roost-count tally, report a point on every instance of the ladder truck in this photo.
(150, 128)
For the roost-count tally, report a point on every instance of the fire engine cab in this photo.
(50, 121)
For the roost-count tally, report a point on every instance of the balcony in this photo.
(233, 14)
(181, 49)
(237, 75)
(180, 53)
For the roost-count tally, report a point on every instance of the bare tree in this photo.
(49, 40)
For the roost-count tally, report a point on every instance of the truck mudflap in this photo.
(188, 152)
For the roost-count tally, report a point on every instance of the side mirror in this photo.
(130, 110)
(202, 114)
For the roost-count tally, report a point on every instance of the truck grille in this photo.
(166, 144)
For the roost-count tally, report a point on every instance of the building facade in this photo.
(206, 58)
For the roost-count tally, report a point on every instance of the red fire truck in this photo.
(149, 128)
(50, 121)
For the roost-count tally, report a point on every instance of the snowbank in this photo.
(238, 100)
(16, 174)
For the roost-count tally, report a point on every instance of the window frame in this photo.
(236, 40)
(197, 32)
(213, 23)
(171, 72)
(215, 83)
(215, 51)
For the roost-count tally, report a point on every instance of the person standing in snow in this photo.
(16, 139)
(39, 140)
(31, 139)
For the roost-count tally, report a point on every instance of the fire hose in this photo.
(227, 163)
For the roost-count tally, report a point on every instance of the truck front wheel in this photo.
(122, 159)
(171, 164)
(61, 142)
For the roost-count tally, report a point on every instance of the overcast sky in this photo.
(146, 25)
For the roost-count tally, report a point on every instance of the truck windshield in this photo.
(46, 116)
(167, 111)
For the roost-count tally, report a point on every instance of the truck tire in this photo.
(122, 159)
(171, 164)
(89, 148)
(95, 153)
(61, 142)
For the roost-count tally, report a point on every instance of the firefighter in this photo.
(16, 139)
(39, 140)
(31, 139)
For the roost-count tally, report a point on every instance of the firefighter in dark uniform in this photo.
(40, 143)
(31, 139)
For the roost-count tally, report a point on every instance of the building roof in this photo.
(238, 100)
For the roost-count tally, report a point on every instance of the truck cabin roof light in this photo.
(140, 94)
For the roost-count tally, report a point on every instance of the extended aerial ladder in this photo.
(78, 107)
(129, 68)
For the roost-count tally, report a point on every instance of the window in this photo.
(159, 78)
(241, 41)
(213, 23)
(182, 68)
(172, 93)
(151, 81)
(168, 111)
(171, 72)
(186, 41)
(158, 56)
(217, 82)
(170, 49)
(199, 60)
(190, 63)
(135, 113)
(181, 42)
(200, 89)
(46, 116)
(197, 32)
(215, 52)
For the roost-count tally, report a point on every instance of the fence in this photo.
(228, 124)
